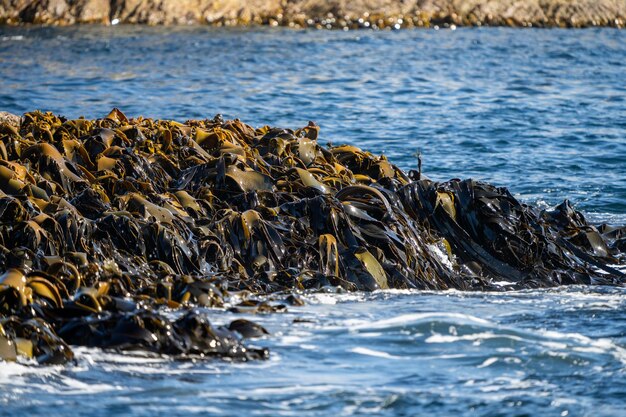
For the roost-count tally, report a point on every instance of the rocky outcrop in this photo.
(11, 119)
(319, 13)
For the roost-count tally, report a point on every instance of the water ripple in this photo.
(534, 110)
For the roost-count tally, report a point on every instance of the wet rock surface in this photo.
(113, 230)
(9, 118)
(377, 14)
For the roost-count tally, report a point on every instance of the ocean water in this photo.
(542, 112)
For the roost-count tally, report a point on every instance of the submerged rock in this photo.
(107, 224)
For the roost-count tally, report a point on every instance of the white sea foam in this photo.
(264, 392)
(413, 318)
(332, 299)
(509, 384)
(73, 386)
(92, 355)
(370, 334)
(375, 353)
(445, 356)
(292, 340)
(443, 257)
(488, 362)
(604, 345)
(503, 283)
(20, 376)
(558, 343)
(205, 410)
(474, 337)
(309, 347)
(11, 371)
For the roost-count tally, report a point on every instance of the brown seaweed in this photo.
(107, 223)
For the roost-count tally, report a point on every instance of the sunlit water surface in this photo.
(540, 111)
(389, 353)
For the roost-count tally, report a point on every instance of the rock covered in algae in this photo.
(113, 230)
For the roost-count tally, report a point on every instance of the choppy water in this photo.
(552, 353)
(540, 111)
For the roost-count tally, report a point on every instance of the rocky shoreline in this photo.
(334, 14)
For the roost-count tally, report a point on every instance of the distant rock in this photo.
(319, 13)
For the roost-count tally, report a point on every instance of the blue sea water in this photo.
(542, 112)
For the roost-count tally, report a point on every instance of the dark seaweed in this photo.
(105, 223)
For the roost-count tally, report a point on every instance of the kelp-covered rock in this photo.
(106, 223)
(192, 334)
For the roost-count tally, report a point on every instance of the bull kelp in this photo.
(113, 230)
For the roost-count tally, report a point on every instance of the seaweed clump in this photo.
(113, 230)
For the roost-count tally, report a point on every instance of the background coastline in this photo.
(331, 14)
